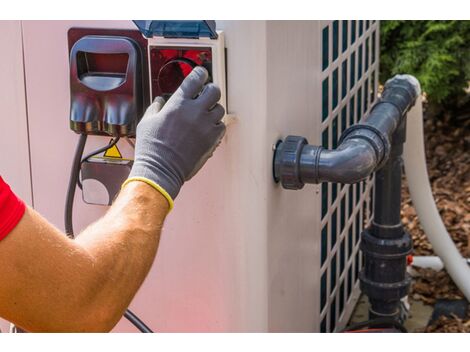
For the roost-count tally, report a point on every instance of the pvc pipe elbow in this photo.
(363, 147)
(352, 162)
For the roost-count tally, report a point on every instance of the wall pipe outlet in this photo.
(363, 148)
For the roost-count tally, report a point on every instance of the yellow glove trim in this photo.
(154, 185)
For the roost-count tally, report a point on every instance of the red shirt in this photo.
(11, 209)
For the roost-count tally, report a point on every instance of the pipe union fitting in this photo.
(287, 162)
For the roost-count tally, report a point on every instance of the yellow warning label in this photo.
(113, 152)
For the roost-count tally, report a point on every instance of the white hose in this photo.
(428, 262)
(423, 201)
(432, 262)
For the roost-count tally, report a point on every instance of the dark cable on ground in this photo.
(73, 182)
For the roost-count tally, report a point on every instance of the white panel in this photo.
(14, 154)
(292, 103)
(210, 272)
(238, 253)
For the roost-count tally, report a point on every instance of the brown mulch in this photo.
(448, 159)
(449, 324)
(431, 285)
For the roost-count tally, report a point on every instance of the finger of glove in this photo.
(209, 96)
(217, 113)
(194, 82)
(155, 107)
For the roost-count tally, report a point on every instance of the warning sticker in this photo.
(113, 152)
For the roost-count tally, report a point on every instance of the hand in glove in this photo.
(174, 140)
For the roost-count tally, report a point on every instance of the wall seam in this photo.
(27, 115)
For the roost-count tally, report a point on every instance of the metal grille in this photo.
(349, 68)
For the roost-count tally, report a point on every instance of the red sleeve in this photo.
(11, 209)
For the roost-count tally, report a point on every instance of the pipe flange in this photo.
(287, 162)
(384, 291)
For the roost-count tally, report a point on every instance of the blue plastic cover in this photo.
(177, 29)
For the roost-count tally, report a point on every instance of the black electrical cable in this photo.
(134, 319)
(74, 176)
(111, 144)
(73, 181)
(376, 323)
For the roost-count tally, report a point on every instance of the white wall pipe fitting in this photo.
(423, 201)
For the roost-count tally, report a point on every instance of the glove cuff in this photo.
(156, 186)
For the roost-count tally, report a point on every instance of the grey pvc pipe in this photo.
(352, 162)
(367, 145)
(363, 149)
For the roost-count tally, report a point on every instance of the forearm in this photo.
(52, 283)
(123, 244)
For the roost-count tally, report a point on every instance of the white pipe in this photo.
(423, 201)
(432, 262)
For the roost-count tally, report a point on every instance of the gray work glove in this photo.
(174, 140)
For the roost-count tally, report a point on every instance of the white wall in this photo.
(238, 253)
(293, 85)
(14, 154)
(210, 273)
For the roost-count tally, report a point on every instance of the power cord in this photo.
(135, 320)
(74, 176)
(68, 220)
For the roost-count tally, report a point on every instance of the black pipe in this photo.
(385, 244)
(363, 148)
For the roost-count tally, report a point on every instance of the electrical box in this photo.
(108, 96)
(102, 179)
(107, 81)
(116, 74)
(176, 47)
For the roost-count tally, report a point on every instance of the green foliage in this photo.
(436, 52)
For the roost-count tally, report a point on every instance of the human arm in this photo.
(51, 283)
